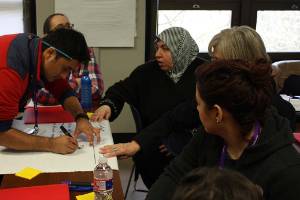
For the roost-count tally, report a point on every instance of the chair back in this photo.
(291, 86)
(282, 70)
(134, 170)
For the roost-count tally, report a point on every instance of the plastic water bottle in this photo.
(86, 91)
(103, 180)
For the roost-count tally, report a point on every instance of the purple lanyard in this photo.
(254, 139)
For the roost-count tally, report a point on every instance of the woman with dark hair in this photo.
(241, 131)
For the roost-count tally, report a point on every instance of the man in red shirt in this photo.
(28, 63)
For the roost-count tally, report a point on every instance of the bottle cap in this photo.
(85, 72)
(102, 159)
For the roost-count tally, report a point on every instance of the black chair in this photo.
(134, 172)
(291, 86)
(286, 74)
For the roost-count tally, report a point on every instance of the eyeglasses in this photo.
(59, 51)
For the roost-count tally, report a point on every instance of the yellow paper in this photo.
(28, 173)
(89, 114)
(88, 196)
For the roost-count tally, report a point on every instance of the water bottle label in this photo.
(103, 184)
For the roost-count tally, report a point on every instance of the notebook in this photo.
(48, 114)
(45, 192)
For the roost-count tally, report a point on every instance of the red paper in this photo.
(45, 192)
(48, 114)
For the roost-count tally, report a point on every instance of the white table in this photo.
(81, 160)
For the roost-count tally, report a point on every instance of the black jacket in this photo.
(151, 91)
(185, 117)
(273, 163)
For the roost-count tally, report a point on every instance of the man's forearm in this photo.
(18, 140)
(72, 105)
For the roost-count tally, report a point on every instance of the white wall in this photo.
(115, 63)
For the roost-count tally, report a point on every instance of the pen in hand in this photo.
(64, 130)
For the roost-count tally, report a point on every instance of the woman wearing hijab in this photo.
(153, 89)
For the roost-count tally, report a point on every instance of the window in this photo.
(194, 21)
(17, 16)
(11, 16)
(277, 21)
(279, 30)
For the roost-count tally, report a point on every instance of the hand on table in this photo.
(84, 126)
(123, 150)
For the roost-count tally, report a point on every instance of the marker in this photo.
(77, 183)
(79, 186)
(64, 130)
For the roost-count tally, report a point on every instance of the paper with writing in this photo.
(81, 160)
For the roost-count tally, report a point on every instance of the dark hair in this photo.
(216, 184)
(47, 22)
(70, 42)
(242, 88)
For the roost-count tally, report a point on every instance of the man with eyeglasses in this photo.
(28, 63)
(54, 22)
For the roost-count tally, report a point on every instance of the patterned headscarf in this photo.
(183, 49)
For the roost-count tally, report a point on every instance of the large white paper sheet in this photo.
(105, 23)
(81, 160)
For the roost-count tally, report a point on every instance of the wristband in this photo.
(81, 115)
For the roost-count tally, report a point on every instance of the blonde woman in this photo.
(239, 42)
